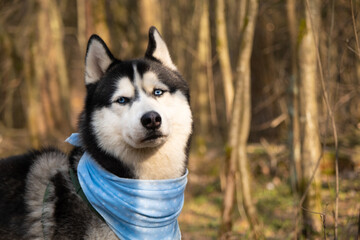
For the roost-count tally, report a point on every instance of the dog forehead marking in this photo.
(137, 77)
(124, 88)
(148, 81)
(151, 81)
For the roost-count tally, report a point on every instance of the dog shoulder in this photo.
(23, 180)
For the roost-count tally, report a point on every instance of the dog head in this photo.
(136, 111)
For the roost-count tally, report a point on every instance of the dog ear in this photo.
(157, 49)
(98, 59)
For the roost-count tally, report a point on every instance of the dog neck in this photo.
(132, 208)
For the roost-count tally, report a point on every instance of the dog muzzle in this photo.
(132, 208)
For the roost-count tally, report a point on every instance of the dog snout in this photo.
(151, 120)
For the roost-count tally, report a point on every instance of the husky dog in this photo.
(136, 124)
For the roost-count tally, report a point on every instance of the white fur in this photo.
(97, 61)
(162, 53)
(119, 130)
(124, 89)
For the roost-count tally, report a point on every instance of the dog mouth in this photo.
(151, 137)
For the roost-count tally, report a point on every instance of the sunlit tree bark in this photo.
(46, 75)
(224, 58)
(31, 92)
(222, 50)
(45, 72)
(243, 102)
(150, 16)
(81, 25)
(57, 31)
(203, 56)
(311, 147)
(96, 21)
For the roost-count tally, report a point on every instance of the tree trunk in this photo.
(240, 128)
(311, 147)
(46, 75)
(31, 93)
(97, 21)
(230, 171)
(81, 26)
(50, 67)
(57, 31)
(203, 56)
(224, 57)
(243, 96)
(222, 50)
(150, 16)
(293, 108)
(9, 83)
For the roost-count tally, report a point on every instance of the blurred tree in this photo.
(150, 16)
(239, 129)
(222, 51)
(311, 147)
(10, 81)
(222, 48)
(46, 75)
(242, 102)
(202, 65)
(293, 108)
(81, 25)
(96, 20)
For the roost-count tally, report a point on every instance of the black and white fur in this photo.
(136, 123)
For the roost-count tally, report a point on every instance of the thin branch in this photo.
(323, 219)
(353, 50)
(273, 123)
(354, 26)
(313, 212)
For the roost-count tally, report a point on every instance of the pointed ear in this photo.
(98, 59)
(158, 50)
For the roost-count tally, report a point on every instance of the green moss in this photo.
(302, 30)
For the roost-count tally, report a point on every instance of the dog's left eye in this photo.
(158, 92)
(123, 100)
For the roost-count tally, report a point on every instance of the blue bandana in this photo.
(133, 208)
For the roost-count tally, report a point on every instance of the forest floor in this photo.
(200, 218)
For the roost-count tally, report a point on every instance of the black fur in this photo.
(151, 45)
(71, 214)
(13, 171)
(69, 208)
(13, 174)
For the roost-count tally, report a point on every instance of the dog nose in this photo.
(151, 120)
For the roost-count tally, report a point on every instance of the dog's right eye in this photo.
(123, 100)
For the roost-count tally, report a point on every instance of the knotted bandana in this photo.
(133, 208)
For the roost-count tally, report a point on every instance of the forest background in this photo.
(275, 92)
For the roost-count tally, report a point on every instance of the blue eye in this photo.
(123, 100)
(158, 92)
